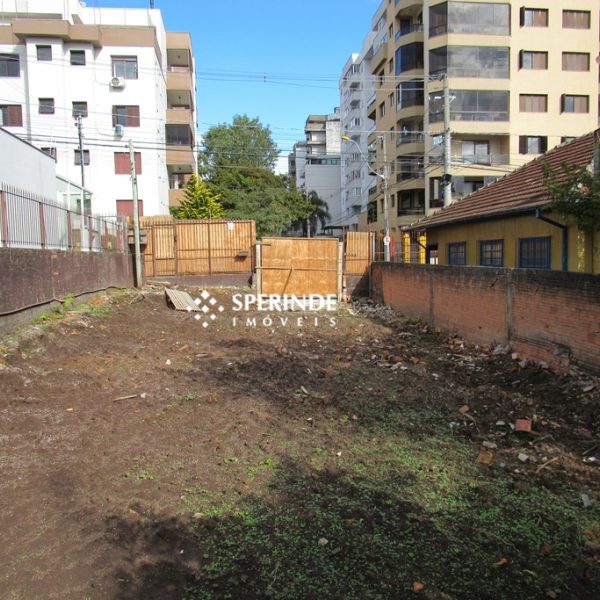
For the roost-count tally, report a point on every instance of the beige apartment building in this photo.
(522, 77)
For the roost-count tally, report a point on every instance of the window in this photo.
(534, 17)
(576, 19)
(491, 253)
(78, 57)
(178, 135)
(409, 93)
(123, 163)
(535, 253)
(125, 208)
(9, 65)
(472, 105)
(86, 157)
(11, 115)
(372, 212)
(575, 104)
(575, 61)
(533, 103)
(470, 61)
(529, 59)
(44, 52)
(391, 65)
(469, 17)
(533, 144)
(476, 152)
(80, 109)
(567, 138)
(409, 57)
(125, 66)
(382, 109)
(457, 254)
(128, 116)
(46, 106)
(391, 99)
(50, 151)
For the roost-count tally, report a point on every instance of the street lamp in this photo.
(385, 177)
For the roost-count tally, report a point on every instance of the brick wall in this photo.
(36, 277)
(545, 315)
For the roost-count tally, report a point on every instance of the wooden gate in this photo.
(299, 266)
(198, 247)
(358, 256)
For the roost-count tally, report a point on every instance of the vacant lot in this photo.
(144, 456)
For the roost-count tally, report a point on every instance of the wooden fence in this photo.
(300, 266)
(358, 252)
(197, 247)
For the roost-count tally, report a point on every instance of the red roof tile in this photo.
(522, 190)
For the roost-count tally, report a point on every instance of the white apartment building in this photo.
(124, 75)
(357, 93)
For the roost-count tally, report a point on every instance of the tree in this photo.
(575, 193)
(198, 202)
(237, 164)
(244, 143)
(319, 214)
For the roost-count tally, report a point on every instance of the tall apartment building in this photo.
(124, 75)
(315, 162)
(357, 92)
(522, 78)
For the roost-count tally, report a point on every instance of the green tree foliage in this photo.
(575, 193)
(237, 164)
(198, 202)
(319, 214)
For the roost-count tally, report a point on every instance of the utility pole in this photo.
(447, 179)
(136, 218)
(78, 124)
(386, 212)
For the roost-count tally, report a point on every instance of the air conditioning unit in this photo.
(117, 82)
(119, 130)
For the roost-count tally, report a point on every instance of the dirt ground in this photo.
(145, 456)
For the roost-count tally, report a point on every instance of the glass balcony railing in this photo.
(406, 29)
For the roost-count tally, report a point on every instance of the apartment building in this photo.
(357, 93)
(315, 163)
(521, 78)
(118, 73)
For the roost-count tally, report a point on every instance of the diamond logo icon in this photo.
(208, 306)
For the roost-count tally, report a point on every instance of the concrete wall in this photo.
(23, 165)
(37, 277)
(545, 315)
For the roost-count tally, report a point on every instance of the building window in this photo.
(391, 99)
(46, 106)
(44, 52)
(382, 109)
(575, 104)
(533, 103)
(391, 65)
(409, 57)
(529, 59)
(533, 144)
(372, 212)
(125, 208)
(469, 17)
(457, 254)
(9, 65)
(534, 17)
(476, 152)
(491, 253)
(575, 61)
(123, 163)
(535, 253)
(128, 116)
(50, 151)
(472, 105)
(80, 109)
(125, 66)
(86, 157)
(470, 61)
(11, 115)
(576, 19)
(78, 57)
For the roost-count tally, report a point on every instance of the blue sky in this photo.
(271, 59)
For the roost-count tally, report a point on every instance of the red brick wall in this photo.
(545, 315)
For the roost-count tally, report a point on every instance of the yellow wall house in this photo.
(509, 223)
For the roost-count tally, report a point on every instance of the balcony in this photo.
(180, 155)
(405, 212)
(380, 57)
(408, 29)
(180, 78)
(180, 116)
(409, 138)
(175, 197)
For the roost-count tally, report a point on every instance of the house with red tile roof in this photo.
(510, 223)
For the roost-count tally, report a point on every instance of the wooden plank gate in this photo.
(299, 266)
(359, 250)
(198, 247)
